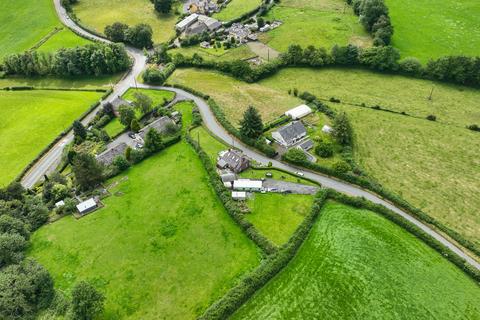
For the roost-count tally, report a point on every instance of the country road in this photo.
(49, 161)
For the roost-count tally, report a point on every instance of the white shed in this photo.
(299, 112)
(247, 185)
(239, 195)
(59, 204)
(327, 129)
(86, 206)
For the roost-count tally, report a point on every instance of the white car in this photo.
(299, 174)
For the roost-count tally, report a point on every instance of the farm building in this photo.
(160, 125)
(107, 157)
(299, 112)
(239, 195)
(233, 160)
(198, 24)
(290, 134)
(247, 185)
(185, 23)
(87, 206)
(228, 177)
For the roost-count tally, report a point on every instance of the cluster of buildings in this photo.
(206, 7)
(196, 24)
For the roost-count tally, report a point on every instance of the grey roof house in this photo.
(160, 125)
(290, 134)
(233, 160)
(107, 157)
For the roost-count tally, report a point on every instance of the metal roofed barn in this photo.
(299, 112)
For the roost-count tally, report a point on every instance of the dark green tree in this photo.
(88, 172)
(296, 155)
(87, 302)
(153, 141)
(142, 102)
(12, 225)
(127, 114)
(79, 131)
(116, 31)
(324, 149)
(251, 125)
(163, 6)
(134, 125)
(140, 36)
(12, 246)
(342, 130)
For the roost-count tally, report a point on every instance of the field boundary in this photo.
(46, 38)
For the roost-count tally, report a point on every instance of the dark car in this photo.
(132, 135)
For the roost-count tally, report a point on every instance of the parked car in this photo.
(132, 135)
(268, 175)
(298, 173)
(138, 146)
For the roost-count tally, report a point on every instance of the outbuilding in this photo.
(188, 21)
(299, 112)
(247, 185)
(327, 129)
(239, 195)
(87, 206)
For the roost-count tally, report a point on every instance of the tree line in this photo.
(139, 36)
(91, 59)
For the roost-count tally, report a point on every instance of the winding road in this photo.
(51, 159)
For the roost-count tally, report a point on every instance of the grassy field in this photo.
(97, 14)
(235, 96)
(313, 23)
(277, 216)
(358, 265)
(236, 8)
(238, 53)
(208, 143)
(448, 27)
(63, 39)
(24, 23)
(157, 96)
(169, 249)
(31, 120)
(101, 82)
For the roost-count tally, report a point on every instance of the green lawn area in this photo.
(114, 127)
(320, 27)
(63, 39)
(235, 96)
(358, 265)
(97, 14)
(102, 82)
(209, 144)
(447, 27)
(31, 120)
(24, 23)
(276, 174)
(157, 96)
(238, 53)
(162, 245)
(236, 8)
(277, 216)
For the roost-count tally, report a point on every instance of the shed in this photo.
(227, 177)
(239, 195)
(247, 185)
(327, 129)
(299, 112)
(306, 145)
(59, 204)
(87, 206)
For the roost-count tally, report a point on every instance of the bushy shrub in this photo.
(295, 155)
(324, 149)
(341, 166)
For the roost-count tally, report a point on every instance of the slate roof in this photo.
(160, 125)
(306, 145)
(234, 160)
(292, 131)
(108, 156)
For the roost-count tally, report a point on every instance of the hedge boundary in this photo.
(231, 207)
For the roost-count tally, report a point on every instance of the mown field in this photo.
(31, 120)
(62, 39)
(97, 14)
(236, 8)
(101, 82)
(277, 216)
(358, 265)
(447, 27)
(162, 245)
(317, 23)
(25, 23)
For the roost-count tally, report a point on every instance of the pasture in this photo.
(168, 249)
(100, 82)
(239, 53)
(31, 120)
(277, 216)
(356, 264)
(236, 8)
(65, 38)
(97, 14)
(447, 28)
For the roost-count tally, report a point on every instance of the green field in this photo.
(63, 39)
(209, 144)
(97, 14)
(314, 24)
(101, 82)
(358, 265)
(235, 96)
(24, 23)
(31, 120)
(277, 216)
(447, 27)
(236, 8)
(163, 244)
(157, 96)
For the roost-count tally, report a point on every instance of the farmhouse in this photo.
(233, 160)
(86, 206)
(107, 157)
(159, 125)
(299, 112)
(290, 134)
(247, 185)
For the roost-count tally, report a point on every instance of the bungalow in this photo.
(107, 157)
(247, 185)
(159, 125)
(299, 112)
(87, 206)
(290, 134)
(233, 160)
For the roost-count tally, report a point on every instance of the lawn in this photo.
(114, 127)
(277, 216)
(320, 28)
(447, 27)
(358, 265)
(158, 96)
(235, 96)
(276, 174)
(209, 144)
(97, 14)
(24, 23)
(63, 39)
(31, 120)
(236, 8)
(168, 249)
